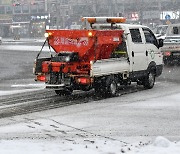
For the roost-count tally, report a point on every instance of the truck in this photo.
(160, 31)
(171, 48)
(106, 54)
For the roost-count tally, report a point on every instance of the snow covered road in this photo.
(130, 123)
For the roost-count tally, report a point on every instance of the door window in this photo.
(120, 51)
(149, 37)
(136, 35)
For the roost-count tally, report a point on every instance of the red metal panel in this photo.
(99, 45)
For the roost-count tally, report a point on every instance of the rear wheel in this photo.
(149, 80)
(107, 86)
(111, 86)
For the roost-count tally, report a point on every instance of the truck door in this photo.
(152, 51)
(138, 50)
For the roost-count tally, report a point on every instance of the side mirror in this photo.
(160, 42)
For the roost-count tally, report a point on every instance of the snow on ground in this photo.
(19, 47)
(161, 145)
(15, 91)
(24, 48)
(20, 88)
(44, 136)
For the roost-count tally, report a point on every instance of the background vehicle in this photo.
(104, 56)
(160, 31)
(171, 48)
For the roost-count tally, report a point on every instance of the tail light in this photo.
(167, 53)
(84, 81)
(41, 78)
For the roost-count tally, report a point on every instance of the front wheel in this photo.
(149, 80)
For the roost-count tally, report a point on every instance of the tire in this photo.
(111, 86)
(64, 92)
(106, 87)
(149, 80)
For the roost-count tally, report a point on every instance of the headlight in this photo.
(46, 35)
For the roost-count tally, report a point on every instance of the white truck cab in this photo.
(141, 59)
(143, 48)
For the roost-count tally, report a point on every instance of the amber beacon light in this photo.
(93, 20)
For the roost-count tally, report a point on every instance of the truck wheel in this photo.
(111, 86)
(149, 80)
(64, 92)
